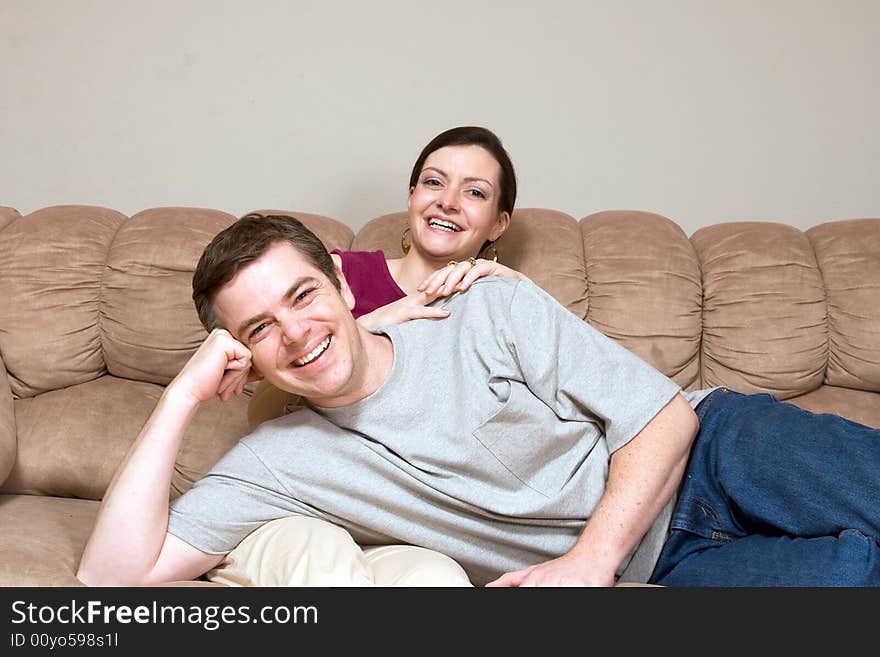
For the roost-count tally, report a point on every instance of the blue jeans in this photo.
(775, 496)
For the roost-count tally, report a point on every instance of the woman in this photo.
(461, 195)
(462, 190)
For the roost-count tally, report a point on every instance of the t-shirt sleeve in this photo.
(226, 505)
(580, 372)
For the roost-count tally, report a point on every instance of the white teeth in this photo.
(446, 225)
(314, 353)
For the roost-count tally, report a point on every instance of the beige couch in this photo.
(96, 318)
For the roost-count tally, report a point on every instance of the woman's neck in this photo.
(409, 271)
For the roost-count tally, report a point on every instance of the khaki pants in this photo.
(301, 551)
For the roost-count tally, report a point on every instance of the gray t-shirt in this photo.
(489, 441)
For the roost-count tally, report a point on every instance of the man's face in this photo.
(297, 325)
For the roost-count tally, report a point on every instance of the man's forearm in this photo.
(643, 476)
(133, 518)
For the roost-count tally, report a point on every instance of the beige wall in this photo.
(703, 111)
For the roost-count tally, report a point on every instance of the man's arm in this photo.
(642, 478)
(129, 544)
(648, 427)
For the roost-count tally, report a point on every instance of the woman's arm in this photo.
(452, 278)
(412, 306)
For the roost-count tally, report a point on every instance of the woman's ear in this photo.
(501, 225)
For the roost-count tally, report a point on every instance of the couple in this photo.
(510, 436)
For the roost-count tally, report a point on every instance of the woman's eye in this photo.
(431, 182)
(477, 193)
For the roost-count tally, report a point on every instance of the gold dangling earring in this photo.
(490, 245)
(404, 242)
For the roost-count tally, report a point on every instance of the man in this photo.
(511, 436)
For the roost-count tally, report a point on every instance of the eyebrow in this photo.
(297, 284)
(470, 179)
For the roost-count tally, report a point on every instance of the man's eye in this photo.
(302, 296)
(257, 330)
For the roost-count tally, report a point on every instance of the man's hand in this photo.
(567, 570)
(459, 276)
(412, 306)
(221, 366)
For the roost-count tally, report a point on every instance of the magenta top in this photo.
(369, 279)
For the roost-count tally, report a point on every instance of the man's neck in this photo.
(373, 370)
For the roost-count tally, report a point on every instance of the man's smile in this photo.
(314, 354)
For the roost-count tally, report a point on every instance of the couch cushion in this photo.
(8, 439)
(51, 268)
(644, 289)
(43, 539)
(546, 246)
(856, 405)
(7, 215)
(847, 253)
(88, 428)
(382, 233)
(764, 324)
(149, 323)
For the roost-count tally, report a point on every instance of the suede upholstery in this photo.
(97, 318)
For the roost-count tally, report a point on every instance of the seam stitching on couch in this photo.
(827, 313)
(104, 267)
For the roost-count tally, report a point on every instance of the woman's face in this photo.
(453, 209)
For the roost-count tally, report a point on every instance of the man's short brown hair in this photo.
(243, 242)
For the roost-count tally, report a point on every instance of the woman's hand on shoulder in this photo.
(412, 306)
(457, 277)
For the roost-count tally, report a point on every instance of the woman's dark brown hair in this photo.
(474, 136)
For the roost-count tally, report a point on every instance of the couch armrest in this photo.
(8, 440)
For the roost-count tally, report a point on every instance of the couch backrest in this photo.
(848, 255)
(764, 322)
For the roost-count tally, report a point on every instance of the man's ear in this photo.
(344, 289)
